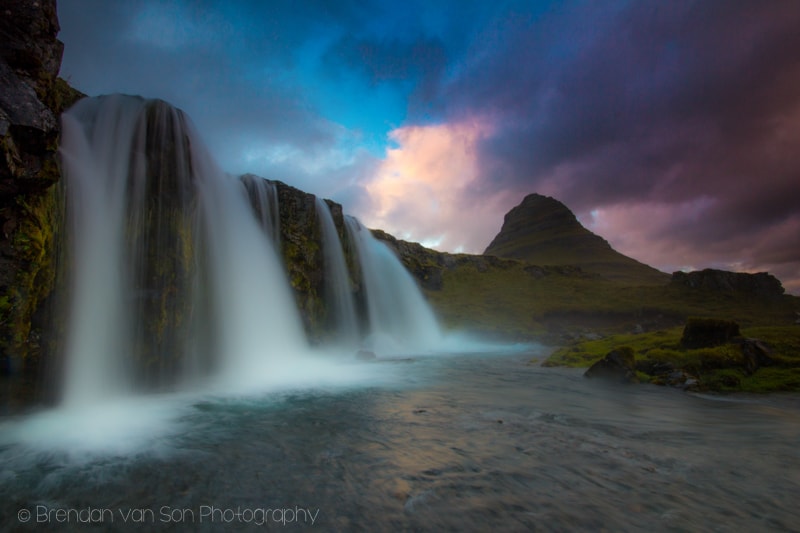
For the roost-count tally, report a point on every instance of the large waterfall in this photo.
(175, 275)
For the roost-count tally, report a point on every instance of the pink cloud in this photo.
(428, 188)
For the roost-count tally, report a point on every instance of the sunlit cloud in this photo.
(428, 188)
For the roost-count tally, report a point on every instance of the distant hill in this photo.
(543, 231)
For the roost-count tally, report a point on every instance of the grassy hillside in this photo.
(562, 304)
(546, 278)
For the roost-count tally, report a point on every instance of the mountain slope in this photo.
(543, 231)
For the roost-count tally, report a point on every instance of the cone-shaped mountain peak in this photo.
(544, 231)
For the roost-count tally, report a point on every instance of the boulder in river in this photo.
(618, 365)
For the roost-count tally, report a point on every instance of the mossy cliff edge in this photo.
(31, 99)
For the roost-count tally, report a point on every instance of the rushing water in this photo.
(338, 292)
(400, 319)
(460, 443)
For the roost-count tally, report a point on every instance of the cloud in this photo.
(675, 122)
(641, 112)
(238, 70)
(428, 189)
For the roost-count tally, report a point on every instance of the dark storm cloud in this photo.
(652, 102)
(233, 67)
(679, 122)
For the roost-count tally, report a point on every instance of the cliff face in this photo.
(301, 247)
(31, 99)
(544, 231)
(760, 284)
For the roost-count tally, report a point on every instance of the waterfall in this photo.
(264, 198)
(400, 320)
(338, 292)
(172, 278)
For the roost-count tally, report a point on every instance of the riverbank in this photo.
(662, 358)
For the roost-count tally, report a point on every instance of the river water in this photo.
(448, 443)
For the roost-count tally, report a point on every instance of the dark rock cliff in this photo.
(31, 100)
(760, 284)
(300, 236)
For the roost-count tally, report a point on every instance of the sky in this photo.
(671, 129)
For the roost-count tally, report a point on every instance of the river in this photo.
(465, 442)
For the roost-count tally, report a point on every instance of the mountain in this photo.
(543, 231)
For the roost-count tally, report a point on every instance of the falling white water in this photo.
(263, 196)
(338, 290)
(400, 319)
(261, 331)
(126, 162)
(95, 150)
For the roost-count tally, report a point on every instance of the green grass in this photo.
(720, 368)
(558, 304)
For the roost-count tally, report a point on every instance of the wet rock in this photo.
(678, 379)
(756, 354)
(424, 264)
(618, 365)
(665, 373)
(31, 97)
(654, 368)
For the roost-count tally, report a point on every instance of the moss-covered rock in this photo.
(301, 249)
(161, 245)
(27, 271)
(767, 359)
(31, 99)
(617, 365)
(708, 332)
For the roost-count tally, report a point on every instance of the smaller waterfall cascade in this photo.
(338, 291)
(263, 196)
(400, 320)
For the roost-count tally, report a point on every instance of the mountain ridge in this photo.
(544, 231)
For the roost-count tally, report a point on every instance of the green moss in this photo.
(62, 96)
(37, 218)
(721, 368)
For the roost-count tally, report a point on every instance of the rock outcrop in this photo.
(760, 284)
(618, 365)
(31, 99)
(300, 242)
(708, 332)
(544, 231)
(756, 354)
